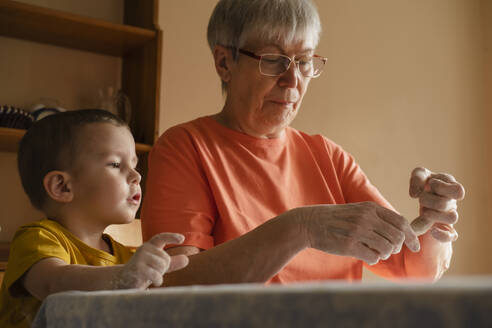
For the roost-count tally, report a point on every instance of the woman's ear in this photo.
(223, 61)
(58, 186)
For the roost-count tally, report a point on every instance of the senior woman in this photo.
(259, 201)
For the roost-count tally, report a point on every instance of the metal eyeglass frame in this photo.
(258, 57)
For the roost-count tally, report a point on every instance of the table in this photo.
(449, 303)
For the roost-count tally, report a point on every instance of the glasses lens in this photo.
(311, 66)
(305, 65)
(318, 65)
(274, 65)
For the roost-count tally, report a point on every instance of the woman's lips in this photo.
(282, 102)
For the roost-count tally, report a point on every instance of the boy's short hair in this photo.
(49, 144)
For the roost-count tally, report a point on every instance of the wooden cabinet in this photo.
(137, 42)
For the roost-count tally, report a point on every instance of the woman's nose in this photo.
(290, 78)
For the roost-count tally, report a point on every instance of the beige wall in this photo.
(404, 86)
(487, 26)
(189, 85)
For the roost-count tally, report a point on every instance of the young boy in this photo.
(78, 168)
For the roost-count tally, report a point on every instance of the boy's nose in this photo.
(135, 177)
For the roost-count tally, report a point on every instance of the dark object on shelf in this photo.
(42, 112)
(15, 118)
(45, 107)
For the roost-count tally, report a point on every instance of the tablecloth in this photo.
(449, 303)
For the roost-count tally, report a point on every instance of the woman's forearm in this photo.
(254, 257)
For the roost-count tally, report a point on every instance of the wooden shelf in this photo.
(4, 254)
(9, 141)
(39, 24)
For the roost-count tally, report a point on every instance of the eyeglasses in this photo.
(277, 64)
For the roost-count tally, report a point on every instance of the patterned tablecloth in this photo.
(451, 303)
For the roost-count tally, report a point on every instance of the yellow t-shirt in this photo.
(34, 242)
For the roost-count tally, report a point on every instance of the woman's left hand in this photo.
(437, 194)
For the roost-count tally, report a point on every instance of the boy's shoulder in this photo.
(41, 227)
(47, 238)
(32, 242)
(35, 236)
(50, 237)
(43, 224)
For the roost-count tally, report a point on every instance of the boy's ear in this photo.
(223, 60)
(58, 186)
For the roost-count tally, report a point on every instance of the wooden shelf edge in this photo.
(12, 132)
(9, 139)
(40, 24)
(4, 254)
(142, 148)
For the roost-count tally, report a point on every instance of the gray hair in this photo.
(281, 21)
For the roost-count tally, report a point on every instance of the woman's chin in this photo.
(279, 115)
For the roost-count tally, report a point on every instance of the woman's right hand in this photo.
(366, 231)
(150, 262)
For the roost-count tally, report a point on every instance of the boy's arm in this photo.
(52, 275)
(146, 267)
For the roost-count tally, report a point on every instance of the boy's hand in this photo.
(150, 262)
